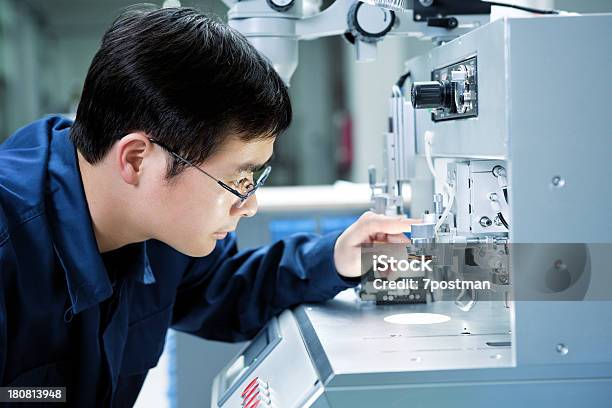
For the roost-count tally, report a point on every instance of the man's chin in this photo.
(203, 248)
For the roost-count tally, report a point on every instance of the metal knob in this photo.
(431, 94)
(422, 233)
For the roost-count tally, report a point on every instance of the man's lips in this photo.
(221, 234)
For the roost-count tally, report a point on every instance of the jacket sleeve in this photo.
(229, 295)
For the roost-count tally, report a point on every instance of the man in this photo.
(120, 225)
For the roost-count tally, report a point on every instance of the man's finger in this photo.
(380, 237)
(397, 239)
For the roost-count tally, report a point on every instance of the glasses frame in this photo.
(242, 197)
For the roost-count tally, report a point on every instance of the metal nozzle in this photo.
(438, 204)
(372, 176)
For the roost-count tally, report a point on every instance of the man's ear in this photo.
(131, 150)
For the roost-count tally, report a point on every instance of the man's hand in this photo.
(369, 228)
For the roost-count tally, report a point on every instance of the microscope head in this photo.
(273, 39)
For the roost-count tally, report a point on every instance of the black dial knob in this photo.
(431, 94)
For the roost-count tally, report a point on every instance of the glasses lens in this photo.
(258, 179)
(260, 176)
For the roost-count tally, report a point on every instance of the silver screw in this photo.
(562, 349)
(557, 181)
(499, 171)
(485, 222)
(426, 3)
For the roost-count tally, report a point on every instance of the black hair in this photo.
(182, 77)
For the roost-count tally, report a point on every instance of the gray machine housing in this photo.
(543, 112)
(536, 114)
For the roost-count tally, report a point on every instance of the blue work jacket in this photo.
(96, 324)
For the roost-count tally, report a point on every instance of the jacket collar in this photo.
(72, 231)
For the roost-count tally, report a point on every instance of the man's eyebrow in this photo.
(254, 166)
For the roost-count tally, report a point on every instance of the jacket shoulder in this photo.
(23, 169)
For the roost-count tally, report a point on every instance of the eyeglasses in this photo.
(246, 186)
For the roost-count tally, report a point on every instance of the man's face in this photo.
(194, 211)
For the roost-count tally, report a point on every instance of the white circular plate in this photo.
(417, 318)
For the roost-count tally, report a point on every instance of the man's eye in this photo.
(244, 182)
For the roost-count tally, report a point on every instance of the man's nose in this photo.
(247, 208)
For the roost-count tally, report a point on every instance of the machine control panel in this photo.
(452, 92)
(256, 394)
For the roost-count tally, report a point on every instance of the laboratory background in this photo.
(333, 162)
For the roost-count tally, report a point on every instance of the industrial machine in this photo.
(275, 27)
(516, 148)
